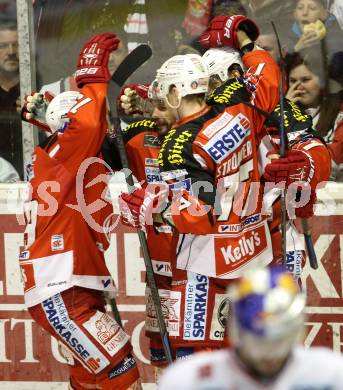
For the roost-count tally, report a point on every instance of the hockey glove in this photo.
(136, 209)
(34, 109)
(92, 64)
(296, 166)
(134, 99)
(307, 210)
(222, 31)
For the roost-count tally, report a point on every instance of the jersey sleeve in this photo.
(263, 73)
(85, 133)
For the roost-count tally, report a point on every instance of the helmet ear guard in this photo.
(57, 111)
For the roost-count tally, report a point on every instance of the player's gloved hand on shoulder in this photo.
(222, 31)
(134, 99)
(34, 109)
(296, 166)
(92, 64)
(136, 209)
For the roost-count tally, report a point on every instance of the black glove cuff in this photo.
(247, 48)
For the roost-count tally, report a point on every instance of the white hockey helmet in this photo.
(187, 72)
(56, 112)
(267, 313)
(218, 61)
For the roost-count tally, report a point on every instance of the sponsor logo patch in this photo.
(171, 303)
(219, 316)
(236, 250)
(185, 184)
(238, 227)
(152, 141)
(57, 242)
(228, 139)
(217, 125)
(24, 255)
(123, 367)
(72, 335)
(247, 245)
(164, 229)
(107, 332)
(175, 174)
(151, 161)
(152, 174)
(194, 324)
(293, 262)
(161, 268)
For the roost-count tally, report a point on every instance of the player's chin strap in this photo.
(283, 146)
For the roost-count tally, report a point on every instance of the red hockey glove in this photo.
(34, 109)
(136, 209)
(296, 166)
(307, 210)
(93, 59)
(222, 31)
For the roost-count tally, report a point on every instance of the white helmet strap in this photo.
(171, 105)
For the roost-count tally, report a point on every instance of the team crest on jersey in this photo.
(57, 242)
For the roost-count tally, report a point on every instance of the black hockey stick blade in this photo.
(131, 63)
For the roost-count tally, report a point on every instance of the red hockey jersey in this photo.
(69, 207)
(220, 160)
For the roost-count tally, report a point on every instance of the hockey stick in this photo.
(120, 75)
(283, 146)
(131, 63)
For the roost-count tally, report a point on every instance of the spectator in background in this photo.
(307, 87)
(10, 123)
(7, 172)
(336, 8)
(314, 26)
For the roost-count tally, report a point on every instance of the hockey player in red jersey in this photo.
(62, 264)
(219, 155)
(266, 323)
